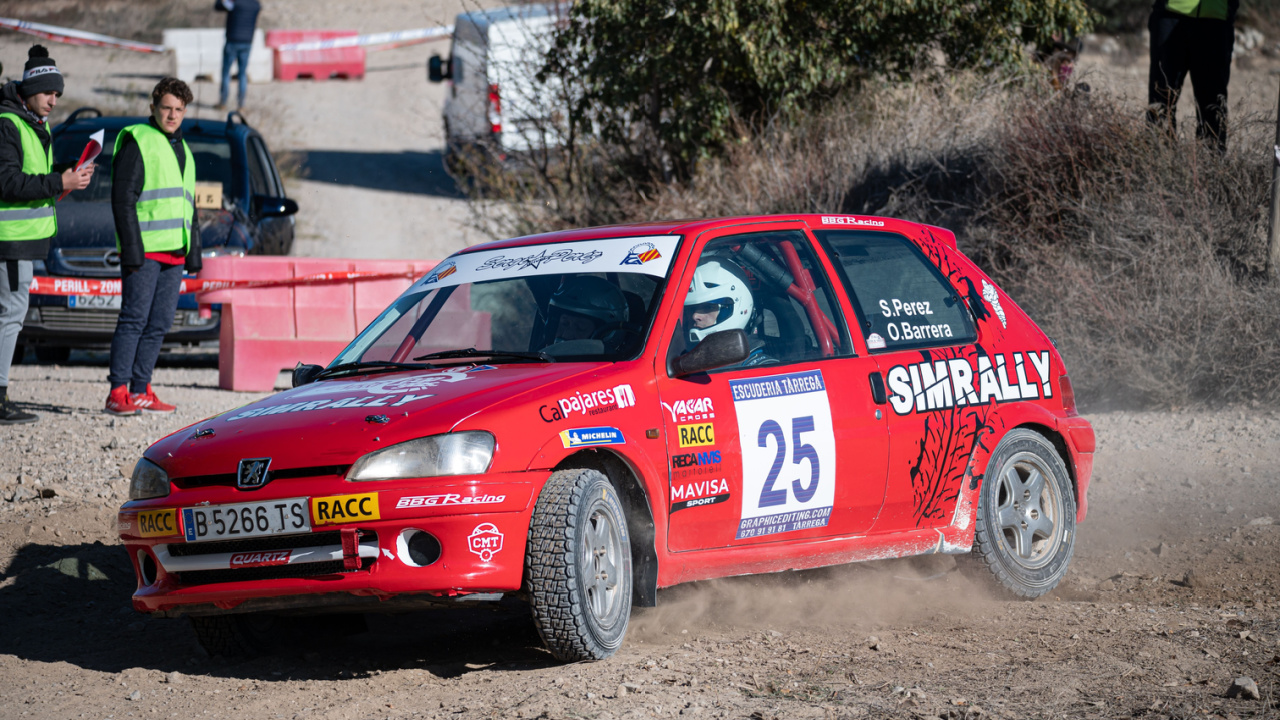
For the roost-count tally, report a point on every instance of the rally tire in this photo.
(1026, 528)
(578, 566)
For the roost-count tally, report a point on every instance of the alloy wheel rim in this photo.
(602, 566)
(1029, 511)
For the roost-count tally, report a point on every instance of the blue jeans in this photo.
(148, 300)
(240, 53)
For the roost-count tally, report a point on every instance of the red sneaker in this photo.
(119, 402)
(147, 402)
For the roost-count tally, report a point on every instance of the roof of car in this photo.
(693, 226)
(116, 122)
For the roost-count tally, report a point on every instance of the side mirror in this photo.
(439, 69)
(264, 206)
(726, 347)
(305, 374)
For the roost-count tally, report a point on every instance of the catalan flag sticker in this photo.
(641, 254)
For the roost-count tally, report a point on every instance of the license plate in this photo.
(245, 520)
(94, 302)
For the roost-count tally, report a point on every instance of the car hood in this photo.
(85, 225)
(333, 422)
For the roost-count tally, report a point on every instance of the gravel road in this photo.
(1171, 597)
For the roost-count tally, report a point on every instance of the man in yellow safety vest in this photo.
(1196, 37)
(28, 189)
(153, 191)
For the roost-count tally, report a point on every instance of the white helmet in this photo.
(718, 284)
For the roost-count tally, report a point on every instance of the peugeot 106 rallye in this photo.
(580, 418)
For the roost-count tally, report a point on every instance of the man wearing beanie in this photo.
(28, 190)
(153, 188)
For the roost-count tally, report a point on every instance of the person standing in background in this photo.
(242, 18)
(28, 190)
(1195, 36)
(153, 188)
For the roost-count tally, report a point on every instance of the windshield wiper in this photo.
(491, 354)
(377, 366)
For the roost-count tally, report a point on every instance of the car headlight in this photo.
(149, 481)
(464, 453)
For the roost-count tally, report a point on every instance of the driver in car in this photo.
(588, 308)
(719, 299)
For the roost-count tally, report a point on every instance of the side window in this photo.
(258, 184)
(769, 285)
(903, 299)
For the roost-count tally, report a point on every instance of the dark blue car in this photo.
(255, 219)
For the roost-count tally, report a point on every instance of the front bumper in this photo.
(345, 565)
(51, 322)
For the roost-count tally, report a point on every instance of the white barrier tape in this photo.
(399, 37)
(76, 37)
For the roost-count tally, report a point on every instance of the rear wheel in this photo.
(1026, 527)
(578, 566)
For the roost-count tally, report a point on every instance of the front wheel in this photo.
(578, 566)
(1026, 527)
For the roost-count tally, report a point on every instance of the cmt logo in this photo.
(485, 541)
(697, 434)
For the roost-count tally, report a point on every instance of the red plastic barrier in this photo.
(269, 329)
(316, 64)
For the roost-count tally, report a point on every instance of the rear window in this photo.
(903, 300)
(212, 153)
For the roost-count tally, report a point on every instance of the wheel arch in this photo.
(1064, 452)
(640, 524)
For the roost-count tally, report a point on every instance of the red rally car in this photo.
(583, 417)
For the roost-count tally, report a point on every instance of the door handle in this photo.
(877, 388)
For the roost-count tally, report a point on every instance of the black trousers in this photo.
(1201, 47)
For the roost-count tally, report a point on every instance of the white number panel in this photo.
(788, 453)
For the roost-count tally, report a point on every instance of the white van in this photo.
(494, 96)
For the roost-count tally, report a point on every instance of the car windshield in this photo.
(212, 153)
(591, 300)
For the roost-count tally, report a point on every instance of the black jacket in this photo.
(242, 17)
(128, 175)
(15, 185)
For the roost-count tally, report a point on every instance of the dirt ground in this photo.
(1171, 596)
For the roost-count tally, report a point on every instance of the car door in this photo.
(275, 233)
(922, 336)
(786, 445)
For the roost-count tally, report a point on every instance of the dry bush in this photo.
(1141, 255)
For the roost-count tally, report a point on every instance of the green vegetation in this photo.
(672, 83)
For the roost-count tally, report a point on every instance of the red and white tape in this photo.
(76, 37)
(398, 38)
(65, 286)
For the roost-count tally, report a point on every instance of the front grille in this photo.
(265, 544)
(91, 259)
(278, 572)
(55, 317)
(229, 479)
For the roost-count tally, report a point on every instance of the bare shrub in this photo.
(1143, 256)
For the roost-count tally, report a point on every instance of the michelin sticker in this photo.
(587, 437)
(378, 393)
(788, 453)
(649, 255)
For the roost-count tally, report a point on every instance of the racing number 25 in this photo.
(800, 452)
